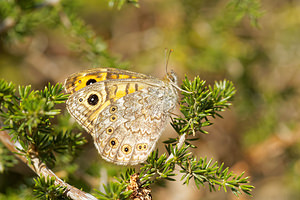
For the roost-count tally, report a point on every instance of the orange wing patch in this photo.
(79, 80)
(122, 76)
(131, 88)
(87, 80)
(121, 91)
(116, 91)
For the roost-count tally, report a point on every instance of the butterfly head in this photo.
(171, 78)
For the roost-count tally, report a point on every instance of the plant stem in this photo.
(41, 169)
(178, 145)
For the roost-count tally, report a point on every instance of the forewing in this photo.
(84, 78)
(84, 105)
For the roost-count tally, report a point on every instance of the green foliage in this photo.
(200, 102)
(120, 3)
(117, 190)
(28, 119)
(238, 9)
(156, 165)
(114, 190)
(202, 171)
(24, 18)
(85, 42)
(7, 94)
(21, 193)
(6, 158)
(45, 188)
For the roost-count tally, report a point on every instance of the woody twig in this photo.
(41, 169)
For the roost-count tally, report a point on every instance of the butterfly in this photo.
(124, 111)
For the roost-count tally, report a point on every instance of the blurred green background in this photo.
(216, 39)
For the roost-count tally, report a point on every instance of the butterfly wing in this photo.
(127, 130)
(84, 78)
(124, 111)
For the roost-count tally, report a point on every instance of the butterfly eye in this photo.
(91, 81)
(113, 143)
(113, 118)
(126, 149)
(113, 109)
(93, 99)
(109, 130)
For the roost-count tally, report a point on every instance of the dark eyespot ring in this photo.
(145, 146)
(91, 81)
(93, 99)
(139, 147)
(126, 149)
(80, 99)
(110, 130)
(113, 118)
(113, 109)
(113, 143)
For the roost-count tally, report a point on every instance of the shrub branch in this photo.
(41, 169)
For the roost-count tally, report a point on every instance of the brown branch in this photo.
(41, 169)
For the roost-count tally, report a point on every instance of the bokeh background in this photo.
(254, 44)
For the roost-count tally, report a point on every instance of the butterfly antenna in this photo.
(167, 56)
